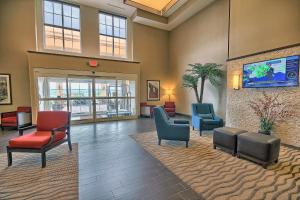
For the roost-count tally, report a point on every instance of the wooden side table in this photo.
(147, 110)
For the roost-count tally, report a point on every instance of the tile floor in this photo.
(113, 166)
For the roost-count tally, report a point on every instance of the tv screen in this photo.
(280, 72)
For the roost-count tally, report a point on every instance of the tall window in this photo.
(113, 35)
(61, 26)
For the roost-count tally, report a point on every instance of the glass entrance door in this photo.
(105, 98)
(115, 98)
(88, 98)
(80, 92)
(126, 101)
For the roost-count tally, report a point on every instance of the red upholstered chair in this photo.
(170, 108)
(16, 119)
(52, 129)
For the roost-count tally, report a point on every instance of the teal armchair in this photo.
(170, 129)
(204, 118)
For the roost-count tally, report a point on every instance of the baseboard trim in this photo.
(185, 115)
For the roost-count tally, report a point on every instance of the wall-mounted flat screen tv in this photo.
(280, 72)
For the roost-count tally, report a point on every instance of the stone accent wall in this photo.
(238, 112)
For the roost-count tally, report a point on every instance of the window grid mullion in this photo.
(54, 36)
(56, 26)
(63, 25)
(72, 39)
(113, 34)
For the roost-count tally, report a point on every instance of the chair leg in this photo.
(186, 144)
(9, 158)
(159, 141)
(193, 128)
(69, 143)
(200, 132)
(43, 159)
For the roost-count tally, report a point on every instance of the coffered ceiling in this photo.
(159, 7)
(162, 14)
(114, 6)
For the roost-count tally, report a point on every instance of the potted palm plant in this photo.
(200, 72)
(270, 111)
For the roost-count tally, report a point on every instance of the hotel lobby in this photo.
(149, 100)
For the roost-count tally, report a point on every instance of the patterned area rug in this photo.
(25, 179)
(218, 175)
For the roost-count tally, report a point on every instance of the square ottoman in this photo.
(226, 138)
(259, 148)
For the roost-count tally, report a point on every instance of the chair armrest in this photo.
(9, 114)
(219, 119)
(197, 121)
(63, 128)
(179, 126)
(197, 117)
(181, 121)
(21, 130)
(180, 131)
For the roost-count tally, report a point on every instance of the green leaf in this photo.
(210, 71)
(190, 81)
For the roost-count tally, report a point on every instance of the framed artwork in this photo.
(153, 90)
(5, 89)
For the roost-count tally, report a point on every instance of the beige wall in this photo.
(151, 47)
(259, 25)
(17, 31)
(16, 37)
(201, 39)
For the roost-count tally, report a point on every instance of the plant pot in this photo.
(264, 132)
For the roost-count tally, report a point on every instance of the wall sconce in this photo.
(169, 92)
(236, 82)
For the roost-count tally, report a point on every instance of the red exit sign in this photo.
(93, 63)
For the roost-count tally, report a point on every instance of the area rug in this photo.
(25, 179)
(218, 175)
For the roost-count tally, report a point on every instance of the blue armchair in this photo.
(170, 129)
(204, 118)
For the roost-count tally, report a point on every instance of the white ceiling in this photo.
(179, 13)
(114, 6)
(182, 14)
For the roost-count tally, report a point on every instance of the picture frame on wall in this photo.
(153, 90)
(5, 89)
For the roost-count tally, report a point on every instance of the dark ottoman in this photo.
(226, 138)
(260, 148)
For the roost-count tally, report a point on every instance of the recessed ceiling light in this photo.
(154, 6)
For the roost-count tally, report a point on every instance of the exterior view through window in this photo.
(112, 35)
(61, 26)
(88, 98)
